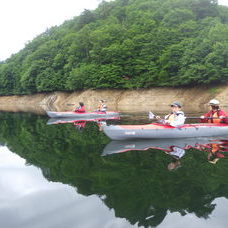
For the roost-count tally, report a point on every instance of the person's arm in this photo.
(204, 118)
(223, 114)
(77, 108)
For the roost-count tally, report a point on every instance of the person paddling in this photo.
(80, 125)
(215, 115)
(102, 107)
(80, 108)
(176, 117)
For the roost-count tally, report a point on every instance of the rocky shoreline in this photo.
(141, 100)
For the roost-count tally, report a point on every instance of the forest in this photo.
(125, 44)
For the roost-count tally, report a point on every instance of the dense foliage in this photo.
(136, 184)
(125, 44)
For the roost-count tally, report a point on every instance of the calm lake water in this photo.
(71, 175)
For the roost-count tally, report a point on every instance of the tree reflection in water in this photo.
(136, 184)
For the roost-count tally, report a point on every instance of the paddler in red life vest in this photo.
(215, 115)
(176, 117)
(80, 108)
(80, 125)
(214, 155)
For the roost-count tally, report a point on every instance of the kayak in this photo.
(161, 144)
(81, 115)
(161, 131)
(75, 120)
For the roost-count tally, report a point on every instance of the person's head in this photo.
(102, 101)
(81, 103)
(174, 165)
(214, 104)
(176, 106)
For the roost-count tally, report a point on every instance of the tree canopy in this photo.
(125, 44)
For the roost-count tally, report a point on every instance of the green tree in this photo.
(125, 44)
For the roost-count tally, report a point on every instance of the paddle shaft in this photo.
(197, 117)
(152, 116)
(70, 104)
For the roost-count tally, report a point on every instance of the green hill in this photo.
(125, 44)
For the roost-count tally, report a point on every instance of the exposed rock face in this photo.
(155, 99)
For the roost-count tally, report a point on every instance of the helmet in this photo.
(214, 102)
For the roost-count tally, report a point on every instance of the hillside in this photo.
(125, 44)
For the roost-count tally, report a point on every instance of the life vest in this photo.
(80, 109)
(81, 124)
(214, 116)
(214, 147)
(214, 155)
(102, 107)
(172, 116)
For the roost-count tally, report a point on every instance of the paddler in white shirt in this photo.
(176, 117)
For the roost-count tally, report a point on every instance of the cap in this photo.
(176, 104)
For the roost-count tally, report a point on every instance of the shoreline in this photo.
(154, 99)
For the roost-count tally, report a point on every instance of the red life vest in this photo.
(80, 109)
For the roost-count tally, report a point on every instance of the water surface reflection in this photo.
(216, 147)
(61, 179)
(29, 200)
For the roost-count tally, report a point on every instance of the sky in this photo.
(23, 20)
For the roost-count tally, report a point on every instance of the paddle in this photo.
(152, 116)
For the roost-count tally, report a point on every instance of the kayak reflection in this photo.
(70, 114)
(160, 144)
(52, 121)
(81, 123)
(173, 147)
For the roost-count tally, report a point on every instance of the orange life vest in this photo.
(214, 147)
(216, 120)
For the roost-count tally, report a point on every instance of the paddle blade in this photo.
(151, 115)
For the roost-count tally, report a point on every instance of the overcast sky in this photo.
(22, 20)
